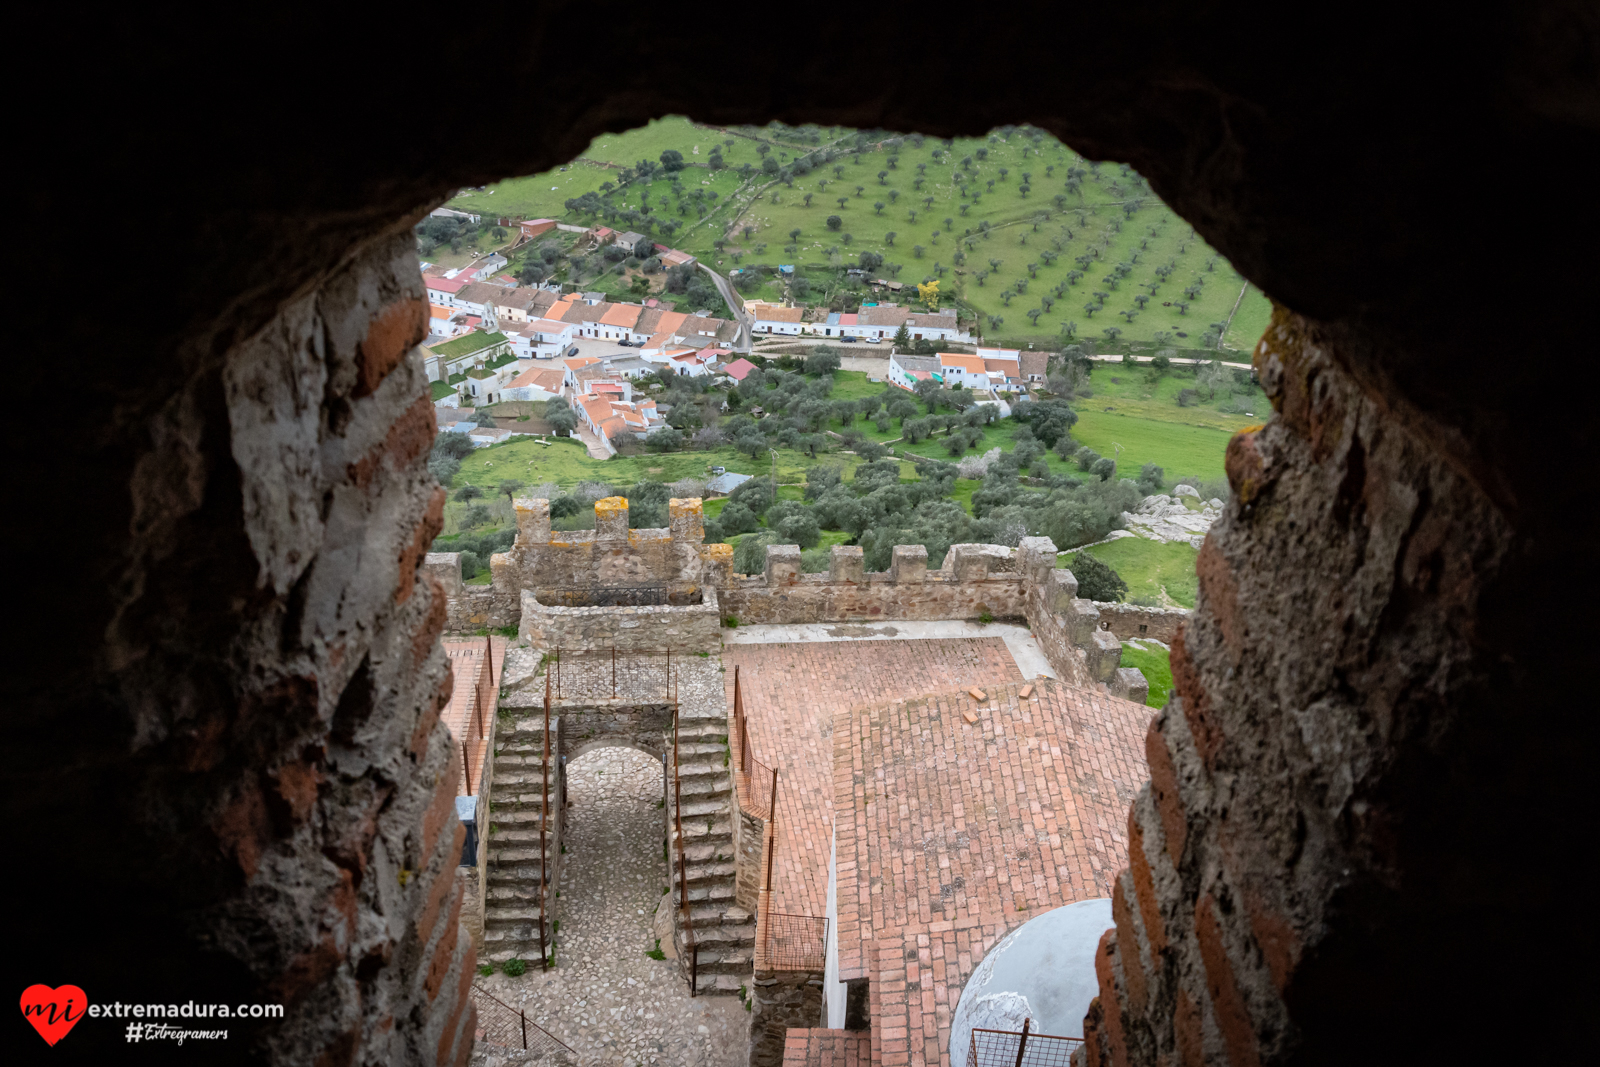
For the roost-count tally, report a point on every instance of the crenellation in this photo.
(847, 563)
(533, 521)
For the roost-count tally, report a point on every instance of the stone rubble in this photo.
(604, 997)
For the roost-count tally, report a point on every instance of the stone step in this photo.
(519, 817)
(503, 858)
(708, 873)
(702, 808)
(513, 894)
(508, 915)
(722, 895)
(710, 983)
(720, 934)
(739, 963)
(702, 853)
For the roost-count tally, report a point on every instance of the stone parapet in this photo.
(1129, 621)
(693, 628)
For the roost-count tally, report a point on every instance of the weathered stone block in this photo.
(611, 519)
(686, 519)
(909, 564)
(1036, 558)
(533, 521)
(783, 564)
(1060, 590)
(1105, 655)
(445, 566)
(717, 560)
(847, 563)
(1083, 621)
(1129, 683)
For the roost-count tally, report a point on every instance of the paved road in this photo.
(746, 324)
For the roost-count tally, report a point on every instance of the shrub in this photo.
(471, 564)
(1086, 457)
(476, 515)
(736, 519)
(756, 494)
(515, 968)
(1150, 479)
(1104, 468)
(468, 492)
(1096, 580)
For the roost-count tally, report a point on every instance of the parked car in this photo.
(874, 340)
(572, 351)
(848, 340)
(719, 470)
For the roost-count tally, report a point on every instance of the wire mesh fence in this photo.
(501, 1024)
(795, 942)
(1011, 1048)
(639, 675)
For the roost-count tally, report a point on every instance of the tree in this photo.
(1096, 580)
(509, 487)
(672, 161)
(842, 201)
(1069, 329)
(794, 234)
(878, 206)
(929, 292)
(823, 359)
(927, 391)
(807, 198)
(1112, 332)
(871, 261)
(665, 439)
(1033, 315)
(470, 492)
(1090, 308)
(889, 237)
(860, 189)
(917, 250)
(883, 177)
(834, 221)
(902, 341)
(1141, 300)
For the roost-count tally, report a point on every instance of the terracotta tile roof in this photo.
(481, 293)
(881, 316)
(970, 364)
(579, 362)
(437, 312)
(624, 315)
(546, 378)
(579, 312)
(445, 285)
(941, 321)
(1035, 363)
(849, 320)
(771, 313)
(612, 427)
(649, 320)
(548, 325)
(1070, 760)
(1003, 366)
(739, 368)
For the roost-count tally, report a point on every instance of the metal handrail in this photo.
(683, 867)
(496, 1018)
(560, 663)
(544, 821)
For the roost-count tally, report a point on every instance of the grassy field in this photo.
(1156, 666)
(1176, 448)
(1249, 322)
(1105, 212)
(1158, 574)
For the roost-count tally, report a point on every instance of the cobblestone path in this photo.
(605, 997)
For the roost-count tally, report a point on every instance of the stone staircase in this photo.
(512, 912)
(723, 932)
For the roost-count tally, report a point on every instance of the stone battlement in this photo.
(654, 588)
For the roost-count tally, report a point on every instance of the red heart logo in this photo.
(53, 1012)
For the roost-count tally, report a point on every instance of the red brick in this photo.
(1155, 930)
(408, 439)
(1128, 949)
(437, 892)
(308, 970)
(392, 333)
(1164, 791)
(1275, 936)
(1227, 1002)
(463, 1018)
(1244, 467)
(427, 635)
(1196, 701)
(1186, 1029)
(432, 522)
(243, 828)
(439, 813)
(1105, 961)
(1222, 595)
(439, 966)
